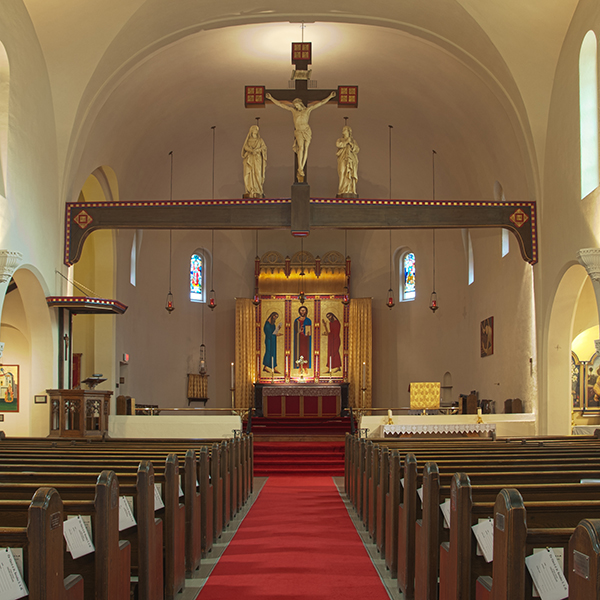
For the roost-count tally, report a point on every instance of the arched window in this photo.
(408, 285)
(500, 197)
(470, 259)
(4, 95)
(197, 277)
(588, 113)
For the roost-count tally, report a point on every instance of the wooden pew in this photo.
(430, 532)
(584, 561)
(518, 528)
(146, 538)
(42, 539)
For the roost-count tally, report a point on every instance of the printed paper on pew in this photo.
(402, 482)
(420, 494)
(158, 501)
(18, 556)
(484, 533)
(87, 521)
(445, 508)
(547, 575)
(126, 518)
(180, 490)
(12, 586)
(77, 537)
(560, 557)
(589, 481)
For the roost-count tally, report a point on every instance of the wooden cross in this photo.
(257, 96)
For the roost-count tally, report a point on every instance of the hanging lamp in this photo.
(433, 303)
(390, 301)
(256, 297)
(212, 297)
(346, 291)
(169, 302)
(302, 295)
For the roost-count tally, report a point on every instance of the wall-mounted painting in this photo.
(9, 388)
(487, 337)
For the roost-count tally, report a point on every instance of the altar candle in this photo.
(232, 377)
(364, 376)
(390, 415)
(479, 412)
(330, 365)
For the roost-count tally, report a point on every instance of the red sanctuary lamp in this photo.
(433, 305)
(169, 304)
(390, 303)
(212, 300)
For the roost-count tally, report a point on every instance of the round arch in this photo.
(555, 415)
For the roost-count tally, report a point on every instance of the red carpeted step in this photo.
(274, 458)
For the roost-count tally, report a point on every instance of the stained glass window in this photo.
(588, 113)
(197, 278)
(409, 291)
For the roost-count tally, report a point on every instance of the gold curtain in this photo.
(360, 351)
(245, 364)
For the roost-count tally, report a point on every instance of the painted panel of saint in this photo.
(593, 384)
(302, 339)
(272, 339)
(331, 343)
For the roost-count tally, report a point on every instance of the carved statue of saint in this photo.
(302, 131)
(254, 155)
(347, 164)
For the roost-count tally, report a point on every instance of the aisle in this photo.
(297, 542)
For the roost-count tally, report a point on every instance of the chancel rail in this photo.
(300, 214)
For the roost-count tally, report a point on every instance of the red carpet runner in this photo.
(297, 542)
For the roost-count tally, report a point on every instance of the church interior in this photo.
(469, 236)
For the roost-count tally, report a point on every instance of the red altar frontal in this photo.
(301, 400)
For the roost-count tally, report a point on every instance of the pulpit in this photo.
(79, 413)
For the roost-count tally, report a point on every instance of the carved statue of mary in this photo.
(254, 159)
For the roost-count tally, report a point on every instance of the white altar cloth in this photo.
(511, 425)
(448, 428)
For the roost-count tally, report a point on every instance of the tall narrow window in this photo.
(500, 197)
(4, 95)
(197, 277)
(409, 281)
(470, 260)
(588, 113)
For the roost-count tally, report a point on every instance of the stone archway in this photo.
(555, 415)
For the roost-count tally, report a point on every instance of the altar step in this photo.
(299, 429)
(298, 458)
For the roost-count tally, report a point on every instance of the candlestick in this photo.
(364, 376)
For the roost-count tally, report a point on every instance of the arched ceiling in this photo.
(133, 79)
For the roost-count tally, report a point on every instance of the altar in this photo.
(297, 400)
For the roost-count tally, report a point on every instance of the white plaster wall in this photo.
(567, 222)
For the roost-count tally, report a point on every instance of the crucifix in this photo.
(298, 101)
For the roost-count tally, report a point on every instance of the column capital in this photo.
(590, 259)
(9, 261)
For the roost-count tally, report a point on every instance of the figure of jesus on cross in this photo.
(301, 101)
(302, 130)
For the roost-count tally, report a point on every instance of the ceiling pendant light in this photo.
(256, 297)
(433, 303)
(390, 302)
(169, 302)
(346, 291)
(212, 297)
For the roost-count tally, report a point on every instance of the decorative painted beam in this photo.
(299, 214)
